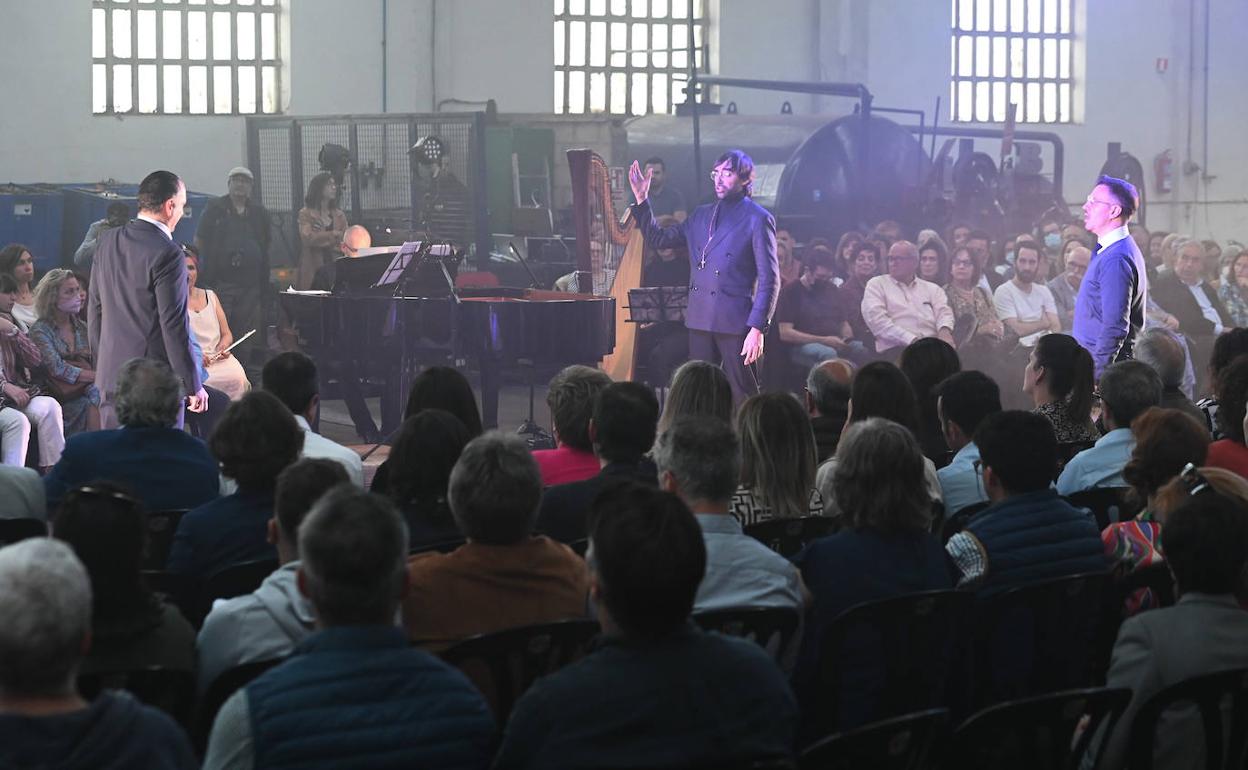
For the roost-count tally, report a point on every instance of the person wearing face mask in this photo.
(22, 402)
(68, 362)
(812, 316)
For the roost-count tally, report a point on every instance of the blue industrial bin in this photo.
(32, 215)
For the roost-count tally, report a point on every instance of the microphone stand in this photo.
(533, 282)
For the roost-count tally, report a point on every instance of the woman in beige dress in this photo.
(213, 334)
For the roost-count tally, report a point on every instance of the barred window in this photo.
(625, 57)
(185, 57)
(1019, 52)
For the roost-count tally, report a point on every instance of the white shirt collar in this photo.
(163, 227)
(1113, 236)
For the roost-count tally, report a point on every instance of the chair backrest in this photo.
(1036, 732)
(505, 663)
(960, 518)
(909, 742)
(788, 536)
(13, 530)
(161, 525)
(225, 685)
(1067, 450)
(170, 690)
(886, 658)
(1107, 504)
(1225, 725)
(1039, 638)
(234, 580)
(772, 628)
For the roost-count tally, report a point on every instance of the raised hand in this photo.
(640, 182)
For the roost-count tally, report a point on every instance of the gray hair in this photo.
(494, 489)
(826, 391)
(149, 394)
(353, 556)
(1127, 389)
(45, 600)
(879, 478)
(703, 455)
(1159, 349)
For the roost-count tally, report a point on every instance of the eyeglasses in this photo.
(1194, 479)
(1092, 200)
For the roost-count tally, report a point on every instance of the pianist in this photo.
(354, 238)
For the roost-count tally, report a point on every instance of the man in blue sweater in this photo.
(354, 694)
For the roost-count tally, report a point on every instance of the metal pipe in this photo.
(693, 95)
(384, 63)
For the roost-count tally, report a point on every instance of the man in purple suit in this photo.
(734, 276)
(137, 300)
(1109, 309)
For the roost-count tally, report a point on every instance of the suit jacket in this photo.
(1174, 295)
(1109, 309)
(166, 468)
(740, 252)
(137, 305)
(1201, 634)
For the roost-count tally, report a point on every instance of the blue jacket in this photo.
(1109, 309)
(226, 531)
(360, 696)
(1035, 536)
(742, 251)
(166, 468)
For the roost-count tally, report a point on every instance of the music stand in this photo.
(655, 304)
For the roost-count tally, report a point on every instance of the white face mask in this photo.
(71, 306)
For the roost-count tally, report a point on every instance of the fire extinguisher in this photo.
(1163, 170)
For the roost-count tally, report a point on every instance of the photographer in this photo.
(118, 214)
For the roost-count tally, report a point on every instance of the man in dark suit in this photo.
(1184, 294)
(137, 300)
(734, 276)
(1109, 309)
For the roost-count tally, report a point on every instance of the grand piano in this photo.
(388, 337)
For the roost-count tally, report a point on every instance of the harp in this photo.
(609, 253)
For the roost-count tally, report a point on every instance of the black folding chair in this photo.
(1107, 504)
(1036, 733)
(788, 536)
(771, 628)
(234, 580)
(909, 742)
(221, 688)
(886, 658)
(1155, 578)
(1067, 450)
(1221, 704)
(958, 521)
(506, 663)
(1039, 638)
(170, 690)
(15, 530)
(161, 526)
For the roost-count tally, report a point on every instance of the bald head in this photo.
(354, 238)
(903, 261)
(827, 387)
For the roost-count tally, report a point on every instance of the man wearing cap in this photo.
(233, 243)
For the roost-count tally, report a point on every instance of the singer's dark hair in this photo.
(156, 188)
(1124, 193)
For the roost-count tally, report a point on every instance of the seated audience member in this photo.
(254, 442)
(1226, 348)
(292, 377)
(504, 576)
(1065, 286)
(1024, 303)
(790, 266)
(571, 400)
(844, 254)
(811, 314)
(1058, 377)
(980, 245)
(1233, 291)
(68, 360)
(1158, 348)
(22, 403)
(777, 461)
(436, 387)
(47, 633)
(862, 264)
(163, 466)
(1206, 545)
(729, 703)
(926, 362)
(699, 461)
(116, 215)
(354, 238)
(884, 549)
(622, 431)
(1229, 451)
(359, 695)
(1184, 292)
(933, 259)
(424, 453)
(827, 403)
(698, 388)
(1128, 388)
(212, 332)
(670, 266)
(23, 494)
(1166, 441)
(879, 390)
(269, 622)
(131, 627)
(18, 263)
(1028, 534)
(963, 401)
(900, 307)
(968, 299)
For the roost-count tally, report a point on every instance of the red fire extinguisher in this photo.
(1163, 170)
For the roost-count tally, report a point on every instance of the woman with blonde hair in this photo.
(699, 388)
(777, 461)
(68, 360)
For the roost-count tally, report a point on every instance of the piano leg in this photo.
(490, 372)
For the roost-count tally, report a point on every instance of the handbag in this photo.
(67, 391)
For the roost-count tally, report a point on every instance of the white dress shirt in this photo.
(316, 445)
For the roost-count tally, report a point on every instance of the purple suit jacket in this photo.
(723, 295)
(137, 305)
(1109, 309)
